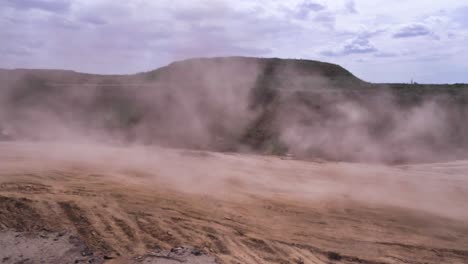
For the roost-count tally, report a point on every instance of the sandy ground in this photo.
(137, 205)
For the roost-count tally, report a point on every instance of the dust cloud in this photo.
(236, 104)
(121, 126)
(374, 129)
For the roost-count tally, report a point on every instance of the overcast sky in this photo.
(378, 40)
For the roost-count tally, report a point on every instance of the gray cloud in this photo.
(306, 7)
(351, 7)
(413, 30)
(358, 45)
(55, 6)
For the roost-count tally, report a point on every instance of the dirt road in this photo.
(124, 205)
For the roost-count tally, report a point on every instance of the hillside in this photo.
(306, 108)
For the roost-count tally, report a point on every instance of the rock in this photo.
(333, 255)
(197, 252)
(86, 252)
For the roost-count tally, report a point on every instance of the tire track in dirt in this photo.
(131, 215)
(20, 215)
(84, 228)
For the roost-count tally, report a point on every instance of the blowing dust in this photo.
(130, 127)
(235, 104)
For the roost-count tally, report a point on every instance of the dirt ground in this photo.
(66, 203)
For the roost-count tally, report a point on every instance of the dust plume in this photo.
(251, 160)
(302, 108)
